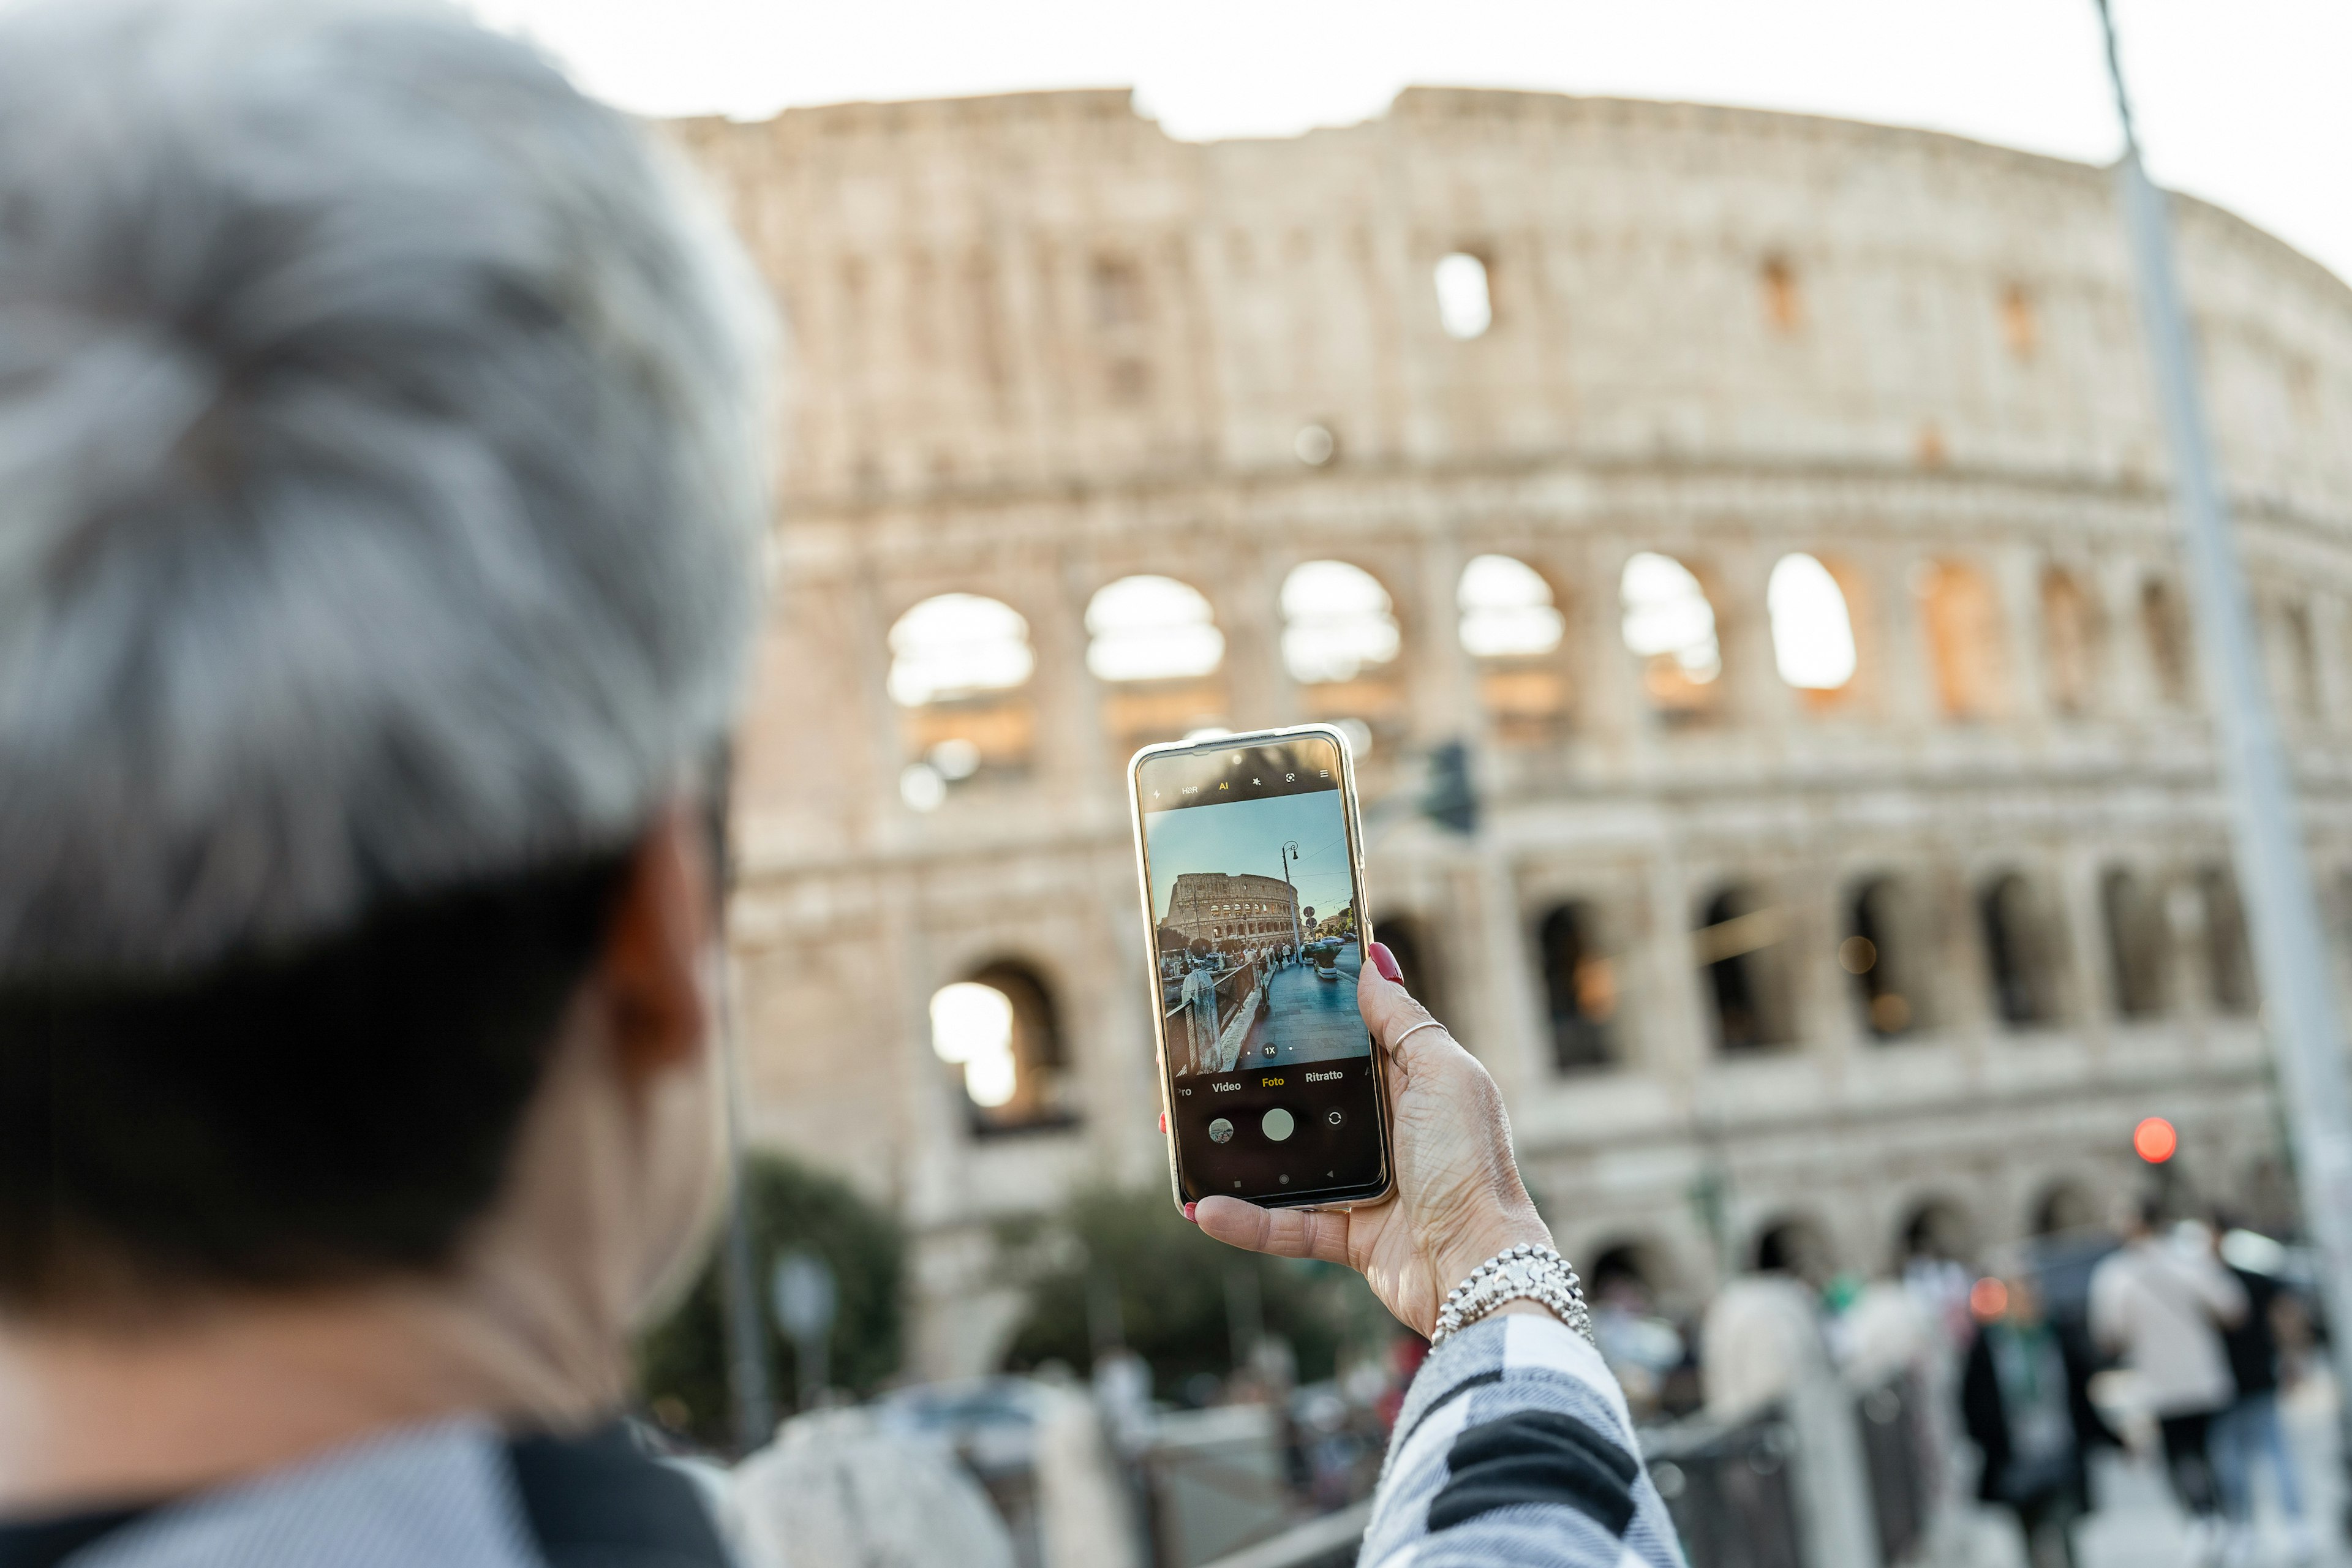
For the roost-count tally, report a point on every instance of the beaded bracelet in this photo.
(1525, 1271)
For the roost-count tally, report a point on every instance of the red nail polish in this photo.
(1187, 1212)
(1385, 961)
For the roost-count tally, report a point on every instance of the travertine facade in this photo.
(1040, 347)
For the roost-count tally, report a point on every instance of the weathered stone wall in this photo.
(1039, 346)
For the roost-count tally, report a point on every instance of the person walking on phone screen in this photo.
(1199, 1000)
(382, 511)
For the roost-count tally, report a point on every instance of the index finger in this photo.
(1389, 1010)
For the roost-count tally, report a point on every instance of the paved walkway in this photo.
(1309, 1020)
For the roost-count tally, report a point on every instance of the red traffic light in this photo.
(2153, 1140)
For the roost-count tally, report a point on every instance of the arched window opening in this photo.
(1512, 627)
(1121, 305)
(2025, 951)
(1154, 642)
(2138, 943)
(1000, 1033)
(2164, 624)
(2229, 957)
(1340, 641)
(1812, 628)
(1465, 305)
(2298, 661)
(1416, 956)
(1784, 305)
(1118, 292)
(1938, 1231)
(1741, 953)
(2072, 642)
(1635, 1266)
(2021, 326)
(1884, 950)
(2065, 1208)
(1962, 617)
(1795, 1245)
(958, 665)
(1579, 989)
(1669, 625)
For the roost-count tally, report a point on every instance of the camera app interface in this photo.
(1258, 933)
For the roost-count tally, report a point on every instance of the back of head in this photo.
(381, 479)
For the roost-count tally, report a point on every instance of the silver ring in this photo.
(1424, 1024)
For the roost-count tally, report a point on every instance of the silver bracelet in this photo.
(1522, 1272)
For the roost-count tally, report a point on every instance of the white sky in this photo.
(2243, 102)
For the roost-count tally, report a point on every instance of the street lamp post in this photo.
(1289, 857)
(2290, 952)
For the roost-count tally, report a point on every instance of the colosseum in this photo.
(1773, 507)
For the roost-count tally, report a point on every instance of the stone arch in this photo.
(1936, 1227)
(1512, 627)
(2164, 628)
(2067, 1206)
(1796, 1244)
(2025, 946)
(1407, 937)
(2229, 957)
(2074, 643)
(1960, 614)
(1000, 1029)
(1580, 986)
(1742, 952)
(2297, 662)
(1340, 641)
(2138, 941)
(1670, 624)
(1644, 1262)
(960, 665)
(1816, 645)
(1888, 950)
(1154, 643)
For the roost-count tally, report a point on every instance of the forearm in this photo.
(1514, 1447)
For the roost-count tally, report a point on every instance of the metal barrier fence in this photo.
(1730, 1491)
(1895, 1452)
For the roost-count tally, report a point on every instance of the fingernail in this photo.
(1385, 961)
(1187, 1212)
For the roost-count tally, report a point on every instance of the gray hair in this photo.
(382, 472)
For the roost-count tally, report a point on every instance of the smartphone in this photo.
(1250, 854)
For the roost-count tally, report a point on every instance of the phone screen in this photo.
(1258, 933)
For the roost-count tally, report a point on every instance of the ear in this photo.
(650, 974)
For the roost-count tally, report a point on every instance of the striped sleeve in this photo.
(1514, 1450)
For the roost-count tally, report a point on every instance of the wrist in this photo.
(1471, 1246)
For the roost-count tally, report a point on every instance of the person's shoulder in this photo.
(600, 1502)
(454, 1494)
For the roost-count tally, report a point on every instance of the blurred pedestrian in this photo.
(2162, 1309)
(2025, 1402)
(837, 1489)
(2247, 1436)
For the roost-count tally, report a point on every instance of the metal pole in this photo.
(2291, 955)
(747, 1336)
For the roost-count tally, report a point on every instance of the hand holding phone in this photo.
(1458, 1197)
(1250, 857)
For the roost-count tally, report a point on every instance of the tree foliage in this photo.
(682, 1362)
(1176, 1293)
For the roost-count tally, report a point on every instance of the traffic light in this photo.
(1450, 800)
